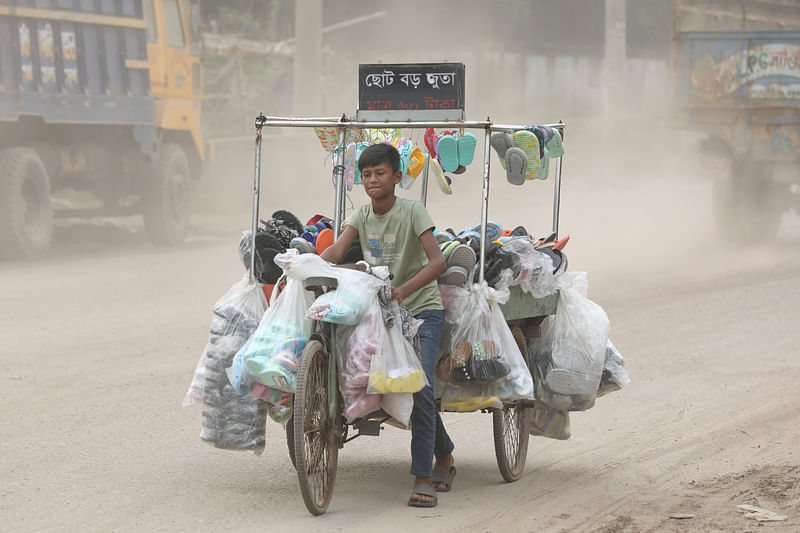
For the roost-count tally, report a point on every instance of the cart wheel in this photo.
(510, 426)
(316, 449)
(290, 440)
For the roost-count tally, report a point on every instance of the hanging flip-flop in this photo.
(441, 179)
(447, 150)
(529, 143)
(466, 148)
(516, 163)
(501, 142)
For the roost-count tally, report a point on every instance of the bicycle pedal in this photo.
(370, 428)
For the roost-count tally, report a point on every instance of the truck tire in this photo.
(26, 209)
(166, 197)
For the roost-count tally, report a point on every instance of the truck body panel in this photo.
(736, 79)
(69, 63)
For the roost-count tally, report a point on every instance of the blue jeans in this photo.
(428, 436)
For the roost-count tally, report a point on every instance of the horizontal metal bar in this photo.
(282, 122)
(512, 127)
(290, 122)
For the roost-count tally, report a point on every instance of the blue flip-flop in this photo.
(447, 150)
(466, 148)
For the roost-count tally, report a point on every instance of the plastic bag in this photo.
(614, 374)
(569, 357)
(516, 384)
(344, 305)
(355, 347)
(548, 422)
(232, 420)
(271, 355)
(395, 368)
(399, 406)
(475, 348)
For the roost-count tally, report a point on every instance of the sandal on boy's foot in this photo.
(529, 143)
(466, 148)
(441, 179)
(445, 477)
(501, 142)
(447, 151)
(516, 165)
(423, 489)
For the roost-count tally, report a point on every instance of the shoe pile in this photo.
(512, 257)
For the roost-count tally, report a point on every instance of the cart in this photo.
(318, 428)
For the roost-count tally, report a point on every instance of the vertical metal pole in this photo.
(485, 200)
(424, 193)
(338, 180)
(557, 194)
(256, 196)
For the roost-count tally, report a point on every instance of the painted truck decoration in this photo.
(103, 97)
(742, 88)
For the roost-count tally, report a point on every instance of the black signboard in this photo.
(408, 91)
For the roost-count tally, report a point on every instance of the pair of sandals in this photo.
(439, 476)
(526, 154)
(477, 362)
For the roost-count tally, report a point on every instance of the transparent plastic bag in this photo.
(395, 368)
(548, 422)
(517, 384)
(231, 420)
(614, 374)
(475, 347)
(355, 347)
(271, 355)
(569, 356)
(234, 318)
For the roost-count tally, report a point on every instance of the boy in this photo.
(398, 233)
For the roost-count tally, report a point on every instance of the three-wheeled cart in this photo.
(318, 428)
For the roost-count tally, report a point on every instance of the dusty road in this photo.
(97, 348)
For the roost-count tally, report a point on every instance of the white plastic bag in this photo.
(355, 347)
(395, 368)
(614, 374)
(271, 355)
(462, 306)
(234, 318)
(231, 420)
(570, 354)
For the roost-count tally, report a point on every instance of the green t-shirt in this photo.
(392, 240)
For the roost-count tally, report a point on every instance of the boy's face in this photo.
(379, 181)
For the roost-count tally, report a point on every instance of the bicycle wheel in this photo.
(316, 448)
(510, 428)
(290, 440)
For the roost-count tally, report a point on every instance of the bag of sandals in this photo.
(570, 355)
(231, 419)
(270, 357)
(483, 366)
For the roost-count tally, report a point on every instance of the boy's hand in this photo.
(399, 294)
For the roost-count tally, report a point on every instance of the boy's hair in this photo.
(376, 154)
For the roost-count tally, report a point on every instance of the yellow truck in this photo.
(102, 97)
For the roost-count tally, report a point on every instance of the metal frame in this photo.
(344, 123)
